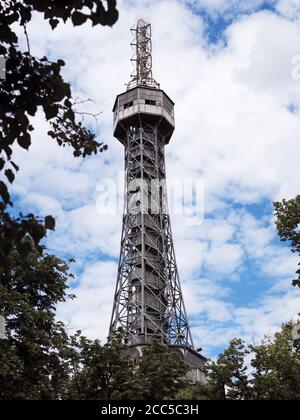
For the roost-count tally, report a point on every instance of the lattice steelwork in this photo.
(148, 301)
(142, 46)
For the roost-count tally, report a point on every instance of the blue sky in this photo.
(219, 17)
(228, 66)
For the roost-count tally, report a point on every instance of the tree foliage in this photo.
(276, 364)
(227, 377)
(160, 374)
(31, 84)
(100, 372)
(33, 358)
(105, 372)
(39, 359)
(269, 371)
(287, 215)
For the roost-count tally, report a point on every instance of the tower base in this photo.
(194, 360)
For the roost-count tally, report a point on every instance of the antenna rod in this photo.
(142, 45)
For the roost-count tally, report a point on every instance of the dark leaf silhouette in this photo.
(33, 84)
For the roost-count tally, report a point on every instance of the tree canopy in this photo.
(34, 83)
(33, 356)
(267, 371)
(160, 374)
(287, 215)
(40, 359)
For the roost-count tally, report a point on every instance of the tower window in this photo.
(150, 102)
(128, 105)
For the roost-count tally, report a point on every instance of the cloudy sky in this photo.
(231, 68)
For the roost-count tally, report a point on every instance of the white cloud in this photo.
(289, 8)
(265, 319)
(91, 310)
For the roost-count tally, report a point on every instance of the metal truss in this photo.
(142, 59)
(148, 302)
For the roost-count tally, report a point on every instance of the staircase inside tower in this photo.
(147, 266)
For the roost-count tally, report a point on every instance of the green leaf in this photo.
(50, 223)
(37, 232)
(70, 115)
(10, 175)
(16, 167)
(51, 111)
(68, 103)
(32, 109)
(40, 5)
(24, 141)
(4, 192)
(53, 23)
(24, 247)
(78, 18)
(2, 163)
(52, 134)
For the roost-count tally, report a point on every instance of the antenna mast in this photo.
(142, 59)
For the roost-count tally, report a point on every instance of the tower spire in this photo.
(142, 59)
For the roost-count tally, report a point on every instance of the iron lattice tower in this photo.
(148, 301)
